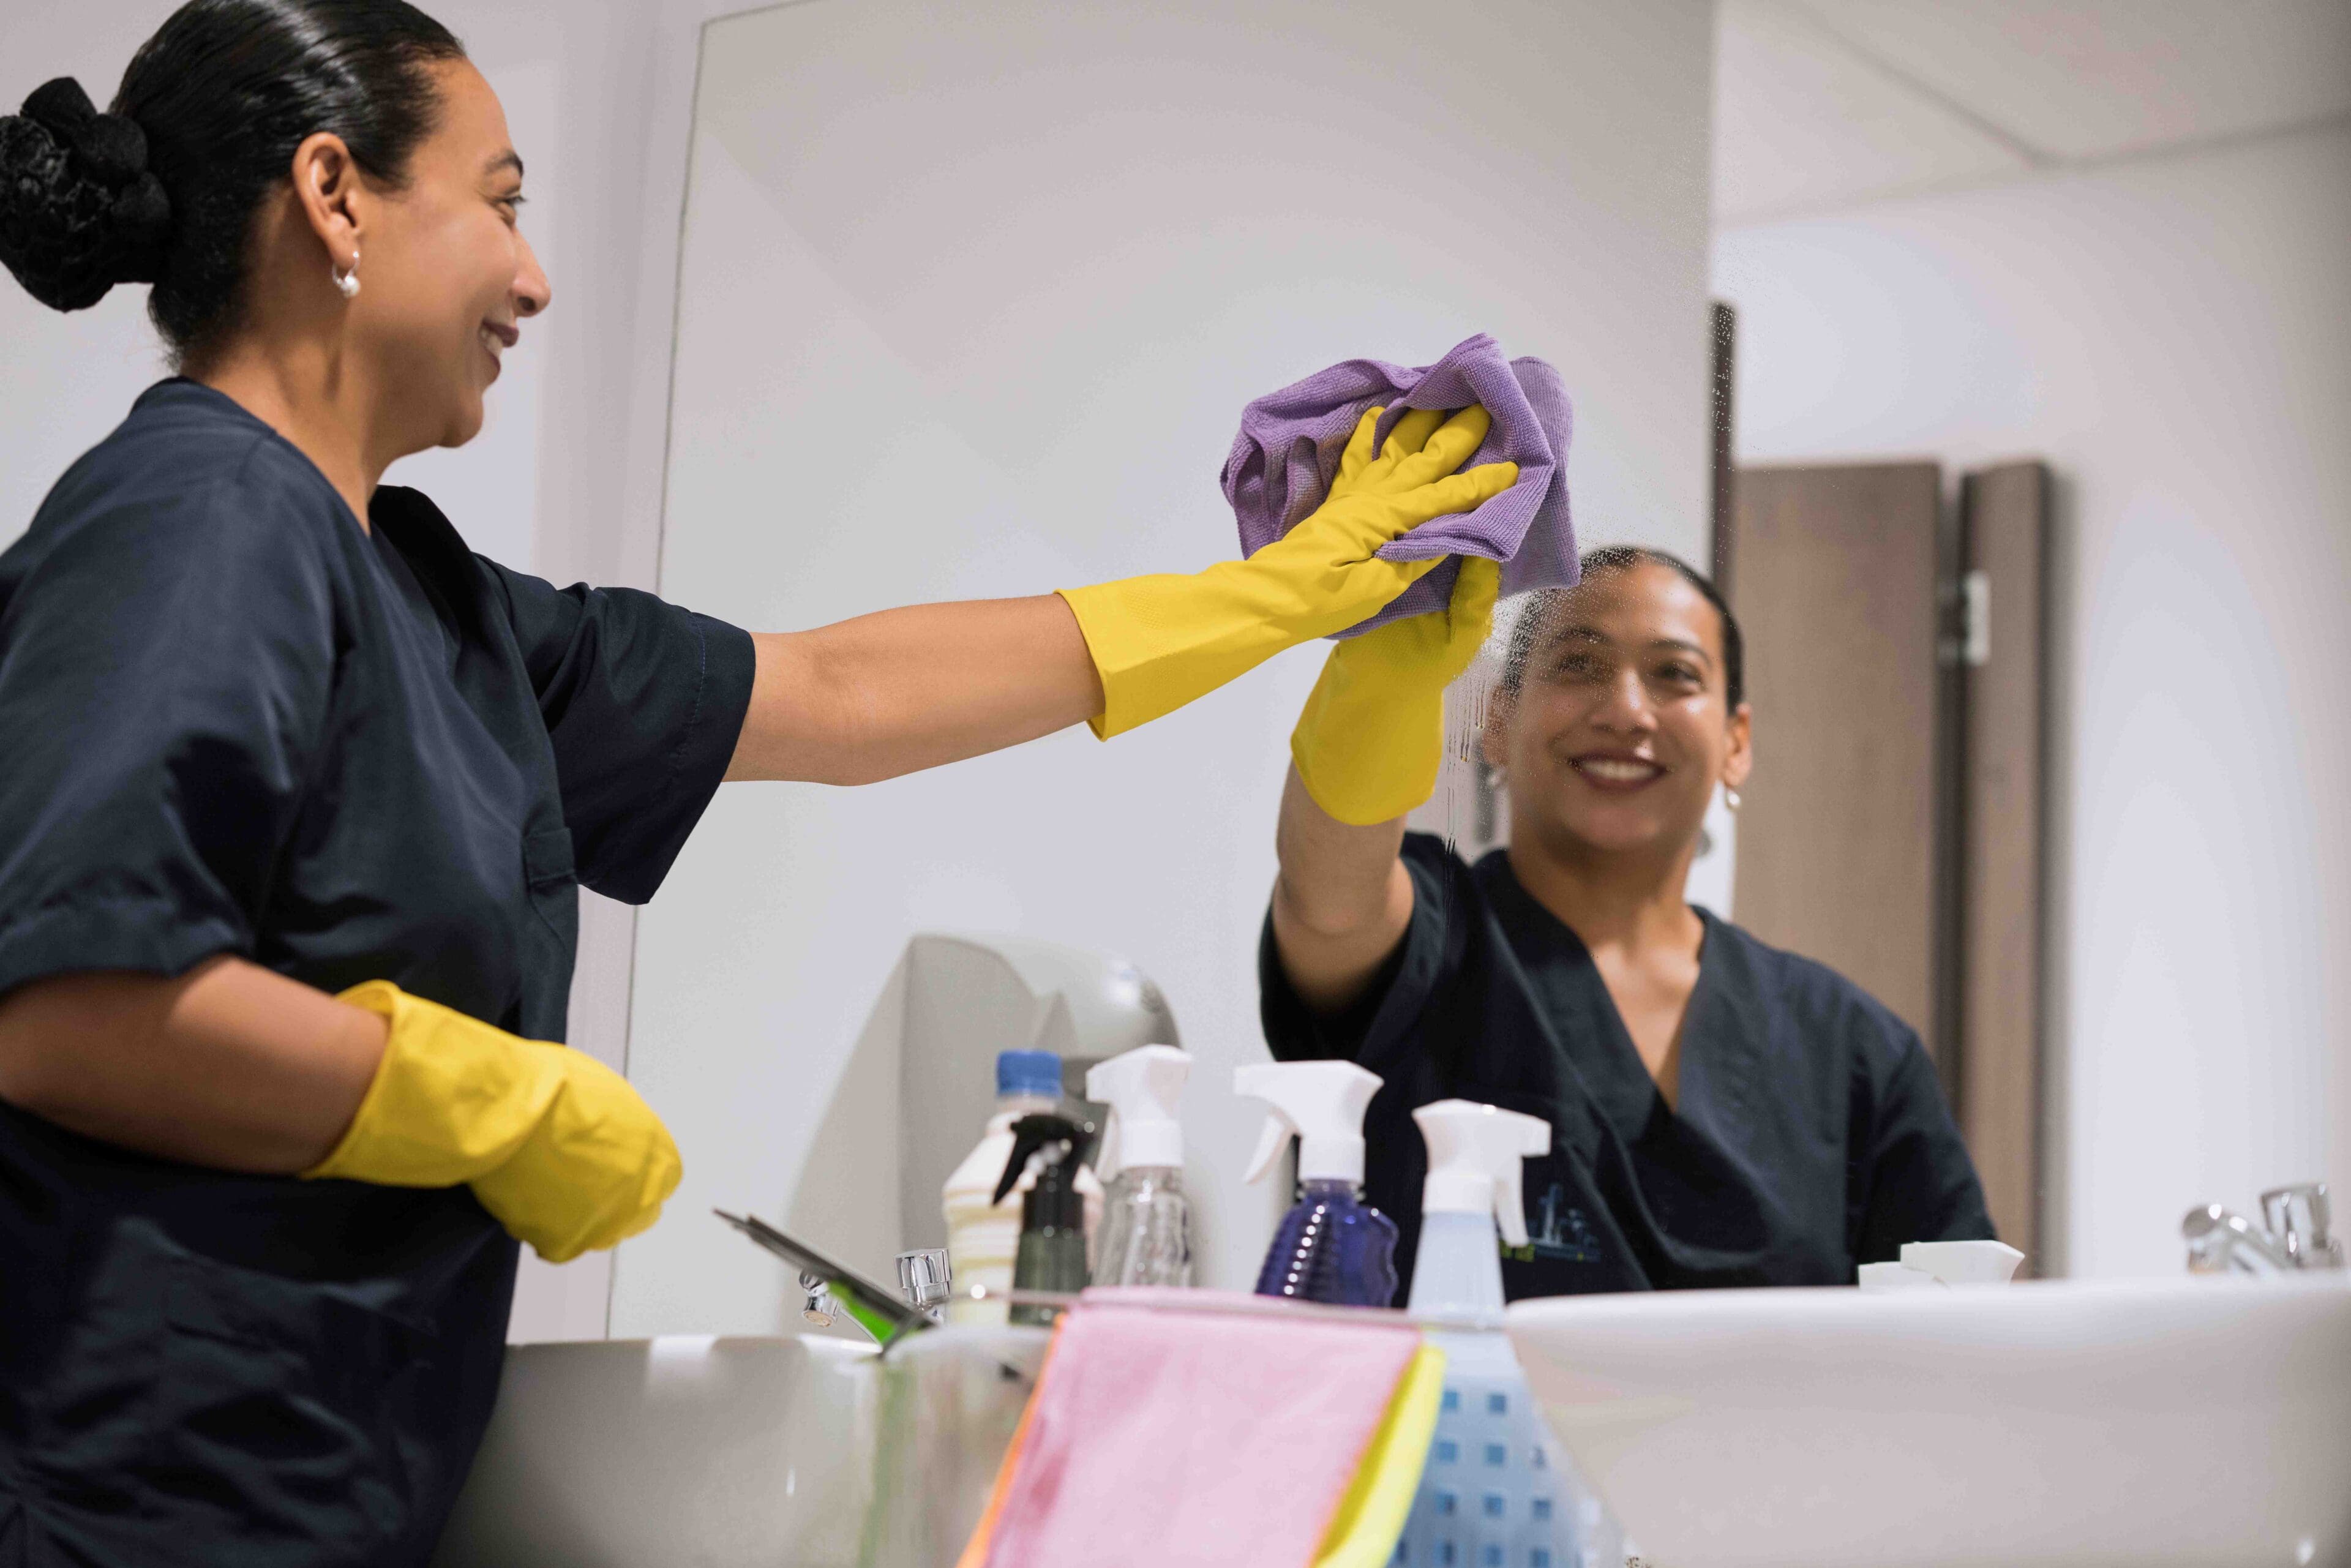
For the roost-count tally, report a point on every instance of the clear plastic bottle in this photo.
(1146, 1229)
(1146, 1226)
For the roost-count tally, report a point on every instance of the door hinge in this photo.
(1975, 620)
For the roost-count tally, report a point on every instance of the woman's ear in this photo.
(327, 187)
(1741, 761)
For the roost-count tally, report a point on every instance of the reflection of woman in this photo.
(298, 791)
(1722, 1113)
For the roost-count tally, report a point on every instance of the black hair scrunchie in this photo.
(79, 209)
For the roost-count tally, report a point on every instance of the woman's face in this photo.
(445, 276)
(1621, 729)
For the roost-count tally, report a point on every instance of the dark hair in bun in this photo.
(163, 189)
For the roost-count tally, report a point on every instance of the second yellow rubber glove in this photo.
(1372, 738)
(1160, 642)
(557, 1145)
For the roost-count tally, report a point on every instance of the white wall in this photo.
(972, 298)
(2174, 335)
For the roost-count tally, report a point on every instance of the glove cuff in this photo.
(1367, 757)
(452, 1097)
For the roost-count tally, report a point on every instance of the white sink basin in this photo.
(672, 1453)
(2197, 1422)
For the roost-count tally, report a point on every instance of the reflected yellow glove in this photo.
(1373, 735)
(1159, 642)
(557, 1146)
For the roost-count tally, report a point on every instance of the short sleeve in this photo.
(1916, 1181)
(644, 702)
(165, 673)
(1423, 961)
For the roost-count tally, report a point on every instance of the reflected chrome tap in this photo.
(2221, 1241)
(819, 1309)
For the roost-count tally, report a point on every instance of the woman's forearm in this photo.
(1341, 901)
(230, 1065)
(907, 689)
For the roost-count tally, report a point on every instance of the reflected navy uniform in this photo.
(233, 722)
(1811, 1135)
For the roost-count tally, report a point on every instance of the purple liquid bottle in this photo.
(1333, 1247)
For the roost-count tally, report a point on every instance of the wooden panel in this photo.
(1835, 590)
(2004, 520)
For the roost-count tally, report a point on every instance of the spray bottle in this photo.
(1052, 1251)
(1146, 1229)
(1496, 1489)
(984, 1235)
(1333, 1247)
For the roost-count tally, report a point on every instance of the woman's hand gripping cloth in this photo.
(1241, 1436)
(1159, 642)
(557, 1145)
(1291, 444)
(1372, 738)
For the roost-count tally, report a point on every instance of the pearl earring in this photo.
(1730, 797)
(346, 280)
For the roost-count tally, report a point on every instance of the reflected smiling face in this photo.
(1622, 725)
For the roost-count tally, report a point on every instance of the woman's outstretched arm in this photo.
(903, 689)
(907, 689)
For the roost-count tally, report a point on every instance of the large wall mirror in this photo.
(1997, 354)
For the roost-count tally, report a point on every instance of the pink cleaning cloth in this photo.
(1165, 1438)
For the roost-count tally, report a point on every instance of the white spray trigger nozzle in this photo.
(1269, 1144)
(1321, 1104)
(1142, 1088)
(1475, 1162)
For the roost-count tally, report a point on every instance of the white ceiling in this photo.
(1822, 103)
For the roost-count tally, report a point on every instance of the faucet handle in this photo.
(2298, 1215)
(924, 1278)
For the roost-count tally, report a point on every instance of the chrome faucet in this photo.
(926, 1282)
(2293, 1236)
(819, 1309)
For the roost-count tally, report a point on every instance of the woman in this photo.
(1721, 1112)
(298, 792)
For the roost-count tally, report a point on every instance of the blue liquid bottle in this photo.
(1333, 1247)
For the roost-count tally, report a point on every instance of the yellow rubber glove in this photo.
(1159, 642)
(557, 1145)
(1372, 738)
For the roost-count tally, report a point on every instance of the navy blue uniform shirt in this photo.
(1811, 1135)
(232, 721)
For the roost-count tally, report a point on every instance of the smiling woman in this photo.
(1721, 1112)
(300, 791)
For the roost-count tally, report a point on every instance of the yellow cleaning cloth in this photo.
(1370, 1516)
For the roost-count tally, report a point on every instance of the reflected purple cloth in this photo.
(1290, 442)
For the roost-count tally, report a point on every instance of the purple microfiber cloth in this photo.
(1290, 442)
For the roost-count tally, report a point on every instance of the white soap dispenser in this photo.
(1146, 1228)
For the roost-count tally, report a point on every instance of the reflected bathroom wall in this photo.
(971, 298)
(2116, 238)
